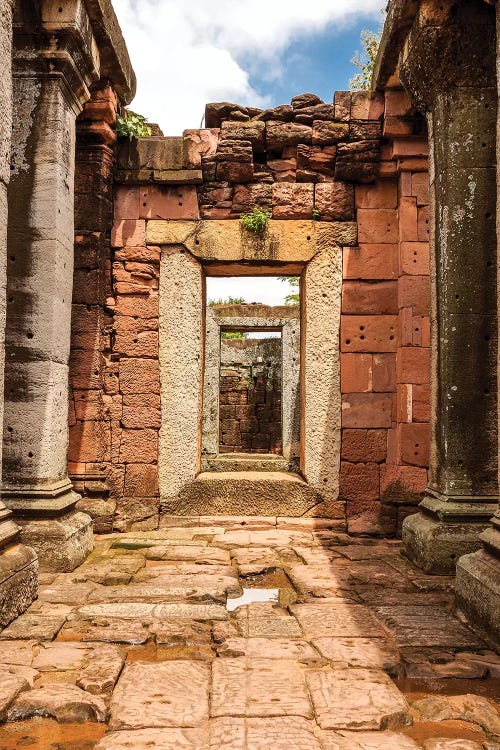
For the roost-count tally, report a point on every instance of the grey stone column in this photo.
(54, 63)
(448, 66)
(478, 574)
(18, 564)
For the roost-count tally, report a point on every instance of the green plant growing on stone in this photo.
(131, 125)
(316, 214)
(364, 61)
(256, 221)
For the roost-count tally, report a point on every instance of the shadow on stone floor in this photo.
(137, 649)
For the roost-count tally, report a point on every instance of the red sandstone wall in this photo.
(385, 336)
(115, 411)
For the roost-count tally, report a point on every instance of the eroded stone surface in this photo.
(170, 694)
(291, 733)
(155, 739)
(473, 708)
(357, 699)
(358, 652)
(337, 619)
(63, 702)
(366, 741)
(259, 687)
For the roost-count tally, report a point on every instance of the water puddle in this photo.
(251, 596)
(451, 730)
(47, 734)
(275, 581)
(415, 689)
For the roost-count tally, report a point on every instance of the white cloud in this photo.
(189, 52)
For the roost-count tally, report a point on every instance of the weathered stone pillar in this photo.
(477, 584)
(18, 564)
(448, 66)
(55, 60)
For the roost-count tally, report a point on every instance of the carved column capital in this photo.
(451, 45)
(58, 43)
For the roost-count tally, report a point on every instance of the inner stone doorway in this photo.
(250, 385)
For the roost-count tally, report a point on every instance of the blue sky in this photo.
(259, 52)
(256, 52)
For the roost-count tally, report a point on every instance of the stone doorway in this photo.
(189, 432)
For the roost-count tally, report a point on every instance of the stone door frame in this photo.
(193, 250)
(290, 391)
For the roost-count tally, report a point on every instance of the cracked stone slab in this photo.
(265, 648)
(107, 630)
(63, 702)
(197, 554)
(29, 626)
(366, 741)
(258, 688)
(262, 538)
(145, 610)
(155, 739)
(266, 620)
(18, 652)
(290, 733)
(67, 593)
(111, 571)
(167, 694)
(11, 685)
(337, 619)
(413, 625)
(169, 588)
(178, 568)
(327, 580)
(372, 653)
(98, 666)
(357, 699)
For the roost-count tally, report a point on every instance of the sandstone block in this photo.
(413, 365)
(334, 201)
(397, 103)
(259, 688)
(154, 739)
(356, 373)
(381, 195)
(168, 694)
(369, 333)
(372, 298)
(325, 133)
(281, 733)
(371, 262)
(337, 619)
(158, 202)
(367, 106)
(357, 699)
(364, 446)
(292, 201)
(402, 484)
(127, 203)
(282, 134)
(252, 131)
(413, 442)
(359, 481)
(128, 232)
(378, 225)
(139, 376)
(370, 410)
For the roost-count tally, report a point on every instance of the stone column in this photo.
(477, 584)
(448, 66)
(55, 60)
(18, 564)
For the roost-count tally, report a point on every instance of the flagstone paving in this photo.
(357, 650)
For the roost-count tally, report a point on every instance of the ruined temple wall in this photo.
(360, 164)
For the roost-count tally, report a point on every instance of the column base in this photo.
(18, 581)
(477, 589)
(442, 532)
(62, 543)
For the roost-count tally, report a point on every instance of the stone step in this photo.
(262, 493)
(243, 462)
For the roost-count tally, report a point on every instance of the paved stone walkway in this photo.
(361, 650)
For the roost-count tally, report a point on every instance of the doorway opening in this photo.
(251, 397)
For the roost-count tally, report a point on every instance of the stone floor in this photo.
(136, 648)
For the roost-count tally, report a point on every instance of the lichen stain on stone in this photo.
(23, 126)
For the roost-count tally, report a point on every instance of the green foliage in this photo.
(131, 125)
(228, 301)
(256, 221)
(364, 61)
(233, 335)
(294, 297)
(316, 214)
